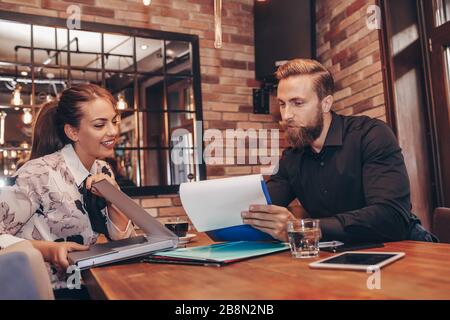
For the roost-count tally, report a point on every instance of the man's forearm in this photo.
(375, 223)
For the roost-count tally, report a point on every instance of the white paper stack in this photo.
(216, 204)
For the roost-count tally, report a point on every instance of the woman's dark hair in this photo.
(48, 130)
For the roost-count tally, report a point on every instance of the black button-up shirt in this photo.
(357, 185)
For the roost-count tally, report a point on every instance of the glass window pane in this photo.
(151, 91)
(154, 129)
(155, 167)
(14, 132)
(149, 55)
(18, 41)
(10, 75)
(10, 157)
(48, 42)
(447, 68)
(158, 167)
(49, 83)
(121, 86)
(178, 57)
(81, 76)
(442, 11)
(127, 137)
(85, 49)
(125, 165)
(181, 124)
(180, 94)
(118, 52)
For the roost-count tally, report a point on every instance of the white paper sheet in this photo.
(218, 203)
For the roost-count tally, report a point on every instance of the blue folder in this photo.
(242, 232)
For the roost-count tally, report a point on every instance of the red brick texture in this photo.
(344, 44)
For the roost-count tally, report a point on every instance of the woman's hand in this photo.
(98, 177)
(56, 253)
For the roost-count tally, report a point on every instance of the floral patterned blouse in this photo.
(45, 203)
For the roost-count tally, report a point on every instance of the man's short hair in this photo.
(323, 80)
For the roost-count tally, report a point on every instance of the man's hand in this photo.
(270, 219)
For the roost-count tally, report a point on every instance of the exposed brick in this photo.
(242, 39)
(234, 64)
(9, 6)
(171, 212)
(228, 116)
(155, 203)
(355, 6)
(152, 211)
(89, 2)
(113, 4)
(219, 124)
(343, 42)
(31, 3)
(173, 22)
(54, 5)
(246, 109)
(215, 171)
(206, 78)
(176, 201)
(96, 11)
(195, 25)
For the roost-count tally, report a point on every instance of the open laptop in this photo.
(156, 236)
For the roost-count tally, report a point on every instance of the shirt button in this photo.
(325, 191)
(322, 164)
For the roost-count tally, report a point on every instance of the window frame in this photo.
(103, 29)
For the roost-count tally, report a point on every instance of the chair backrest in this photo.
(16, 278)
(441, 224)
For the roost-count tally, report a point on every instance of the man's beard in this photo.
(300, 137)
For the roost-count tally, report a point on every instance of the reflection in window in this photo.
(442, 12)
(447, 68)
(152, 77)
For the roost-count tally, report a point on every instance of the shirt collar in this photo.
(334, 135)
(73, 162)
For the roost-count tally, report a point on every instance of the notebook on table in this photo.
(218, 254)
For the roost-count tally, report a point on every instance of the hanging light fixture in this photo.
(16, 99)
(122, 103)
(218, 24)
(27, 117)
(3, 115)
(147, 2)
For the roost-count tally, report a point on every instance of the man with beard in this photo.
(346, 171)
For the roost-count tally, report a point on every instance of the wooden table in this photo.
(424, 273)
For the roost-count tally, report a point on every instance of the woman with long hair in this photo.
(52, 202)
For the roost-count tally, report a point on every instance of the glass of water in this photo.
(304, 236)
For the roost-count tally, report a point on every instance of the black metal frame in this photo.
(132, 32)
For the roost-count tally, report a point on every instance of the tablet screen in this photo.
(359, 258)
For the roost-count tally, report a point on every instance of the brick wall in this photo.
(227, 73)
(352, 52)
(344, 44)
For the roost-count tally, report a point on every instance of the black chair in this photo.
(441, 224)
